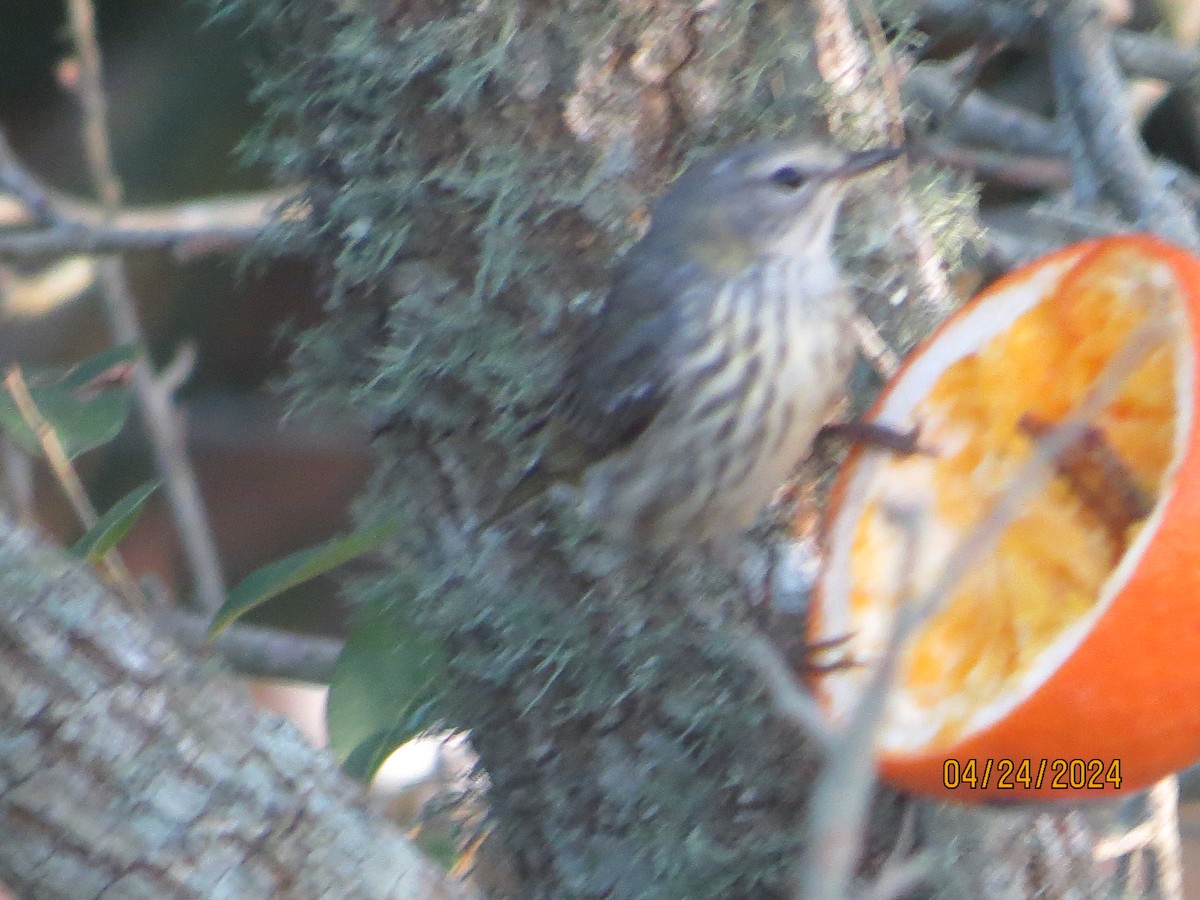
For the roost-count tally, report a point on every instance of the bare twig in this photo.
(903, 870)
(162, 422)
(901, 877)
(68, 479)
(840, 800)
(1032, 153)
(978, 118)
(1033, 474)
(49, 287)
(1025, 172)
(179, 369)
(52, 448)
(1146, 55)
(65, 225)
(1106, 151)
(1131, 841)
(189, 230)
(1168, 853)
(845, 65)
(1157, 833)
(95, 104)
(1153, 56)
(257, 650)
(890, 74)
(787, 696)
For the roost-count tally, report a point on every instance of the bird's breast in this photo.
(753, 376)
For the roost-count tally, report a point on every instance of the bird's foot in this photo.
(873, 434)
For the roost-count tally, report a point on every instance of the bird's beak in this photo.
(864, 161)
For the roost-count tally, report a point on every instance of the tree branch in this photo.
(979, 118)
(189, 229)
(256, 650)
(130, 770)
(1146, 55)
(1106, 151)
(154, 401)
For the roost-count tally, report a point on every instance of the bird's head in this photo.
(775, 197)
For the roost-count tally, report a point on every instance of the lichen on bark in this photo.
(473, 169)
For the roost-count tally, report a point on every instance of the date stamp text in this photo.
(1001, 774)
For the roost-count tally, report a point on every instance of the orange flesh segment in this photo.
(1047, 570)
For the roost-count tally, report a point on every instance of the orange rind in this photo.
(1065, 663)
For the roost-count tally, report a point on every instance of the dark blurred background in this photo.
(178, 101)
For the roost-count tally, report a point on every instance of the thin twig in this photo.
(189, 230)
(256, 650)
(1157, 832)
(66, 225)
(901, 877)
(1145, 55)
(788, 697)
(1023, 172)
(72, 486)
(95, 104)
(840, 801)
(1130, 841)
(1168, 854)
(1106, 151)
(52, 448)
(903, 869)
(179, 369)
(155, 403)
(1033, 474)
(974, 116)
(1023, 150)
(47, 288)
(845, 65)
(890, 75)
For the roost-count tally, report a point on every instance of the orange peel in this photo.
(1066, 662)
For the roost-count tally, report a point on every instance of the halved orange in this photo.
(1066, 661)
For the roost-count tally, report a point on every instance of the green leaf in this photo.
(381, 685)
(274, 578)
(114, 524)
(83, 411)
(80, 374)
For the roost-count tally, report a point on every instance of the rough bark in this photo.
(473, 170)
(130, 769)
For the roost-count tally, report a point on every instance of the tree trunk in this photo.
(130, 769)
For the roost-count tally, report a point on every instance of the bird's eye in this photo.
(788, 176)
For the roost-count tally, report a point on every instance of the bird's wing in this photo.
(618, 381)
(621, 374)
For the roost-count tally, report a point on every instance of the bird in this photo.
(720, 348)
